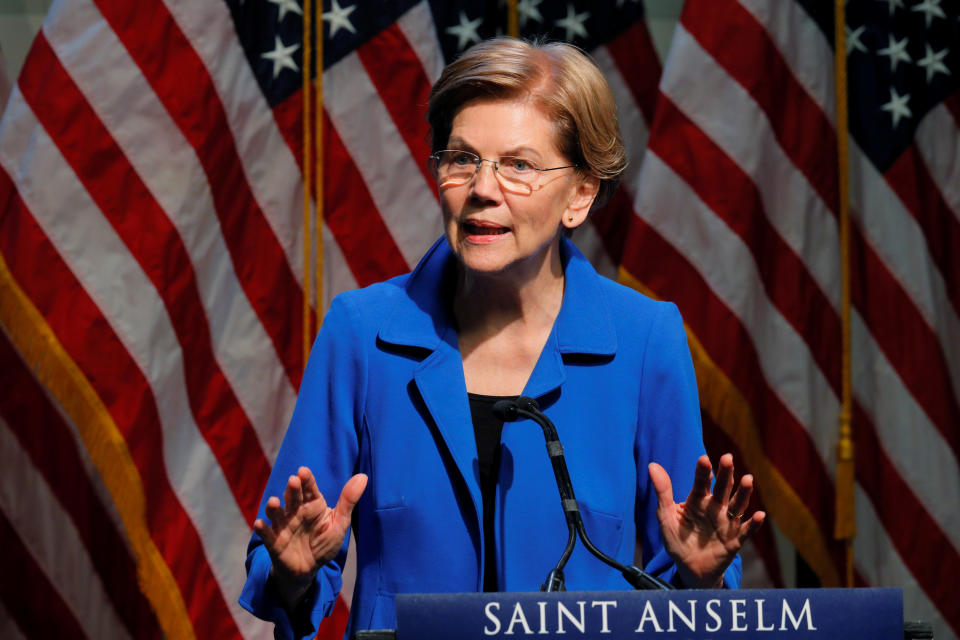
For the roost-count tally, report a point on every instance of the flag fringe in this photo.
(731, 412)
(53, 368)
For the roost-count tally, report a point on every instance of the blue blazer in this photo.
(384, 394)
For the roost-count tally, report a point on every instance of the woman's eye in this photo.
(462, 159)
(519, 164)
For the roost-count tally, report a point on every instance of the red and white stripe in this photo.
(55, 546)
(152, 214)
(738, 196)
(141, 188)
(132, 230)
(141, 192)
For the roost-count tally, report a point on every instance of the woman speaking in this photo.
(395, 413)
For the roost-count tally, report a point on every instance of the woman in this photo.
(525, 143)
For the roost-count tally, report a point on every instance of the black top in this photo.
(487, 429)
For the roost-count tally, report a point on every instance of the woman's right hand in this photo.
(304, 532)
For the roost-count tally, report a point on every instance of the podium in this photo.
(742, 614)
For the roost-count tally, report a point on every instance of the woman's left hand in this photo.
(704, 533)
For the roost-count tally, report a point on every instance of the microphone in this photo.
(512, 410)
(524, 407)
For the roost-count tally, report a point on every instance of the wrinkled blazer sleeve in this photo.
(323, 435)
(669, 433)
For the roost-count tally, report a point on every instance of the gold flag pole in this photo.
(845, 525)
(318, 183)
(307, 172)
(513, 22)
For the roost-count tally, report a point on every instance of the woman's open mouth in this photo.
(483, 230)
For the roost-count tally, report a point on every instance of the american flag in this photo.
(737, 208)
(151, 287)
(151, 283)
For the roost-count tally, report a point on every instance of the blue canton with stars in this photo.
(271, 31)
(903, 59)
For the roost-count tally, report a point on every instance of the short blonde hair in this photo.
(562, 81)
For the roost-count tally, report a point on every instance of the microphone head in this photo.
(505, 410)
(528, 404)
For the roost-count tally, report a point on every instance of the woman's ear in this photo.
(581, 200)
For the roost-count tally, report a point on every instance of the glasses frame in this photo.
(533, 185)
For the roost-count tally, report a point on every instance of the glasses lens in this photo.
(518, 170)
(455, 166)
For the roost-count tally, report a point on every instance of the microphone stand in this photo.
(524, 407)
(510, 411)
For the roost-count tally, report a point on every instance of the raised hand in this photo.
(705, 532)
(304, 532)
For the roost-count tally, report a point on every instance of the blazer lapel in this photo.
(548, 374)
(421, 319)
(440, 381)
(583, 325)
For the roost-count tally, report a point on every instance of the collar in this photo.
(422, 316)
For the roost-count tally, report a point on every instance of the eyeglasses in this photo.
(453, 168)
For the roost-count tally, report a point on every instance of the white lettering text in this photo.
(712, 612)
(580, 623)
(736, 613)
(804, 613)
(603, 604)
(760, 626)
(543, 617)
(494, 619)
(518, 617)
(649, 615)
(690, 622)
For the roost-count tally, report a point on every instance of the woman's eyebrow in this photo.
(523, 150)
(459, 143)
(456, 142)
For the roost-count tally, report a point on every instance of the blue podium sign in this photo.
(684, 615)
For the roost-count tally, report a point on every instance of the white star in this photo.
(897, 107)
(853, 39)
(933, 62)
(573, 23)
(337, 17)
(896, 51)
(281, 56)
(527, 10)
(287, 5)
(892, 4)
(929, 8)
(466, 31)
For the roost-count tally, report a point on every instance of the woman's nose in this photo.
(485, 182)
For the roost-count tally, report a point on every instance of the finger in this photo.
(292, 496)
(349, 497)
(308, 484)
(724, 484)
(749, 527)
(266, 534)
(662, 485)
(274, 511)
(741, 498)
(701, 480)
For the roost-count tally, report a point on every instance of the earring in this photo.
(570, 218)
